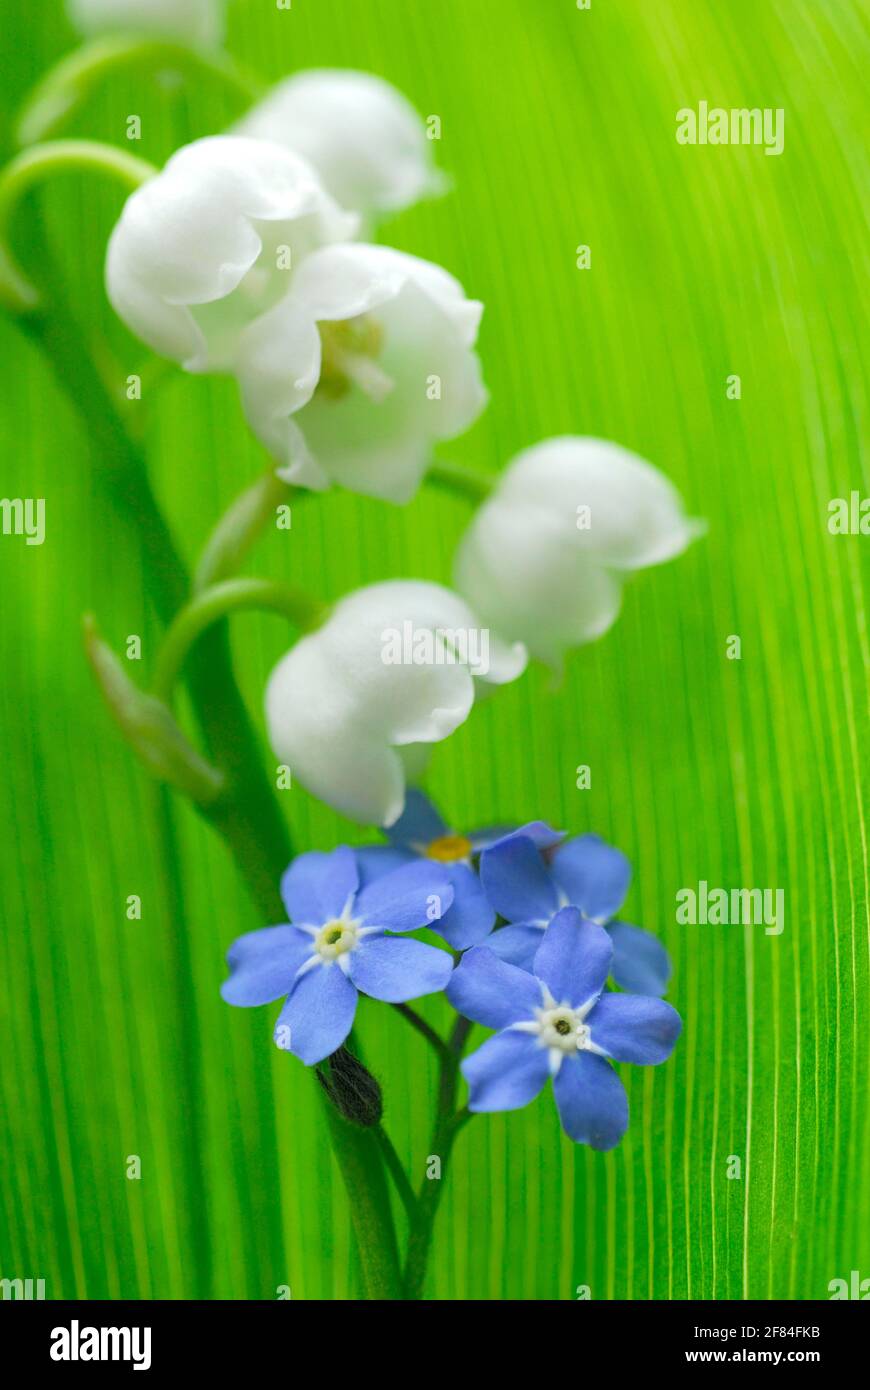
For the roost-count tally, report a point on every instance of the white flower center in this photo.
(336, 937)
(563, 1028)
(560, 1028)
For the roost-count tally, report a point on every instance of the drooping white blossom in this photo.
(213, 241)
(366, 362)
(545, 557)
(394, 667)
(363, 137)
(200, 23)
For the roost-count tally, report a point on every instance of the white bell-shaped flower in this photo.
(200, 23)
(393, 667)
(366, 141)
(366, 362)
(212, 241)
(544, 559)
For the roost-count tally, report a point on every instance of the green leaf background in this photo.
(559, 129)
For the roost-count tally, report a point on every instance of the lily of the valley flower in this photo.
(196, 22)
(390, 669)
(558, 1022)
(545, 557)
(212, 241)
(365, 363)
(363, 137)
(528, 877)
(337, 946)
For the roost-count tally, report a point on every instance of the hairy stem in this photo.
(397, 1172)
(358, 1155)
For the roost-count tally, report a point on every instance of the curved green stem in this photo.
(18, 294)
(68, 85)
(246, 815)
(462, 479)
(423, 1028)
(240, 527)
(212, 605)
(254, 509)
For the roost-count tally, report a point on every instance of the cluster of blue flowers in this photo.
(537, 976)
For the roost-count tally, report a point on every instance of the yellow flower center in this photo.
(448, 848)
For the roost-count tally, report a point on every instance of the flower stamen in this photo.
(335, 938)
(449, 849)
(349, 348)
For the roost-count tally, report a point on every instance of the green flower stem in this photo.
(397, 1172)
(216, 603)
(17, 293)
(253, 510)
(360, 1160)
(240, 527)
(61, 92)
(448, 1123)
(246, 814)
(423, 1028)
(462, 479)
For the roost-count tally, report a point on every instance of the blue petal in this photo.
(263, 965)
(542, 835)
(489, 835)
(471, 918)
(506, 1073)
(417, 895)
(394, 969)
(418, 824)
(373, 861)
(640, 962)
(593, 875)
(517, 944)
(489, 991)
(573, 958)
(318, 1015)
(316, 886)
(516, 881)
(630, 1028)
(593, 1106)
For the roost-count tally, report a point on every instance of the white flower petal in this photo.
(276, 384)
(636, 516)
(342, 282)
(196, 22)
(531, 585)
(207, 241)
(365, 140)
(376, 443)
(315, 730)
(341, 715)
(543, 558)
